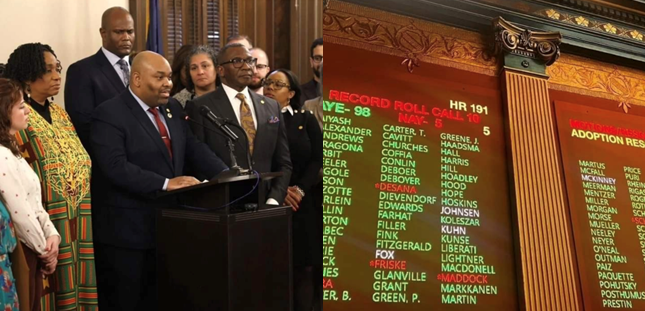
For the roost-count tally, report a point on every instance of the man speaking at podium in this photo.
(141, 146)
(259, 116)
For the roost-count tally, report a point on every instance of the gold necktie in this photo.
(246, 119)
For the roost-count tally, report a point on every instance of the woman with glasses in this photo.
(305, 145)
(201, 78)
(51, 147)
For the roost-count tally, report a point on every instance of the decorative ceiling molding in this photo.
(564, 12)
(544, 46)
(593, 24)
(584, 76)
(630, 12)
(414, 41)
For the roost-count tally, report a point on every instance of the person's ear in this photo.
(103, 33)
(135, 79)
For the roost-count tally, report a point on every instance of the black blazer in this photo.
(89, 83)
(271, 150)
(306, 148)
(309, 91)
(131, 164)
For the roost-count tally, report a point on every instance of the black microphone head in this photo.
(204, 110)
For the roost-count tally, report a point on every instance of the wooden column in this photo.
(547, 269)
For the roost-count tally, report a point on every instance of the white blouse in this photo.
(20, 190)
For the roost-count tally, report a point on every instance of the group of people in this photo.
(79, 186)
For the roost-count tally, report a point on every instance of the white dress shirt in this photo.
(20, 190)
(113, 59)
(288, 108)
(152, 119)
(235, 102)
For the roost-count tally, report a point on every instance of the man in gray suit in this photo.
(259, 116)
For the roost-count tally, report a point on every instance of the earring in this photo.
(28, 92)
(52, 98)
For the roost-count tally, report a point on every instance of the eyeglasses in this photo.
(276, 84)
(261, 66)
(238, 62)
(318, 58)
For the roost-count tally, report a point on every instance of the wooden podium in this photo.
(218, 257)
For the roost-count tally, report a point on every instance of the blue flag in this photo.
(154, 29)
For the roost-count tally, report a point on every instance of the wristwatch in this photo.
(302, 192)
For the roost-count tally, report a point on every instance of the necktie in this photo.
(162, 130)
(126, 71)
(246, 119)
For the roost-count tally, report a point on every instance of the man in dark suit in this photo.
(102, 76)
(141, 147)
(259, 116)
(310, 89)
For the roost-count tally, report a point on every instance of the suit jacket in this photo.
(131, 164)
(309, 91)
(306, 148)
(271, 149)
(316, 107)
(89, 83)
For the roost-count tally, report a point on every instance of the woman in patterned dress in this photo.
(52, 148)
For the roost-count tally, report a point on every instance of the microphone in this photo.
(187, 118)
(208, 114)
(232, 137)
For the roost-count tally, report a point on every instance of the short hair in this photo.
(222, 52)
(2, 66)
(27, 63)
(238, 37)
(200, 49)
(178, 64)
(294, 84)
(105, 18)
(316, 43)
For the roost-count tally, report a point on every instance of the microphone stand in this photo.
(234, 166)
(248, 143)
(232, 138)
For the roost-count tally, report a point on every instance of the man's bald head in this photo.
(151, 79)
(117, 31)
(148, 59)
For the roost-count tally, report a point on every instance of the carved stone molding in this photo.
(415, 41)
(509, 38)
(583, 76)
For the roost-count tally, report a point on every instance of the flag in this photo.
(154, 28)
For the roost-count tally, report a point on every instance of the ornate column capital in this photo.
(525, 45)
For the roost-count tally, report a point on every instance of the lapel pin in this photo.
(169, 115)
(167, 110)
(262, 101)
(300, 127)
(296, 111)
